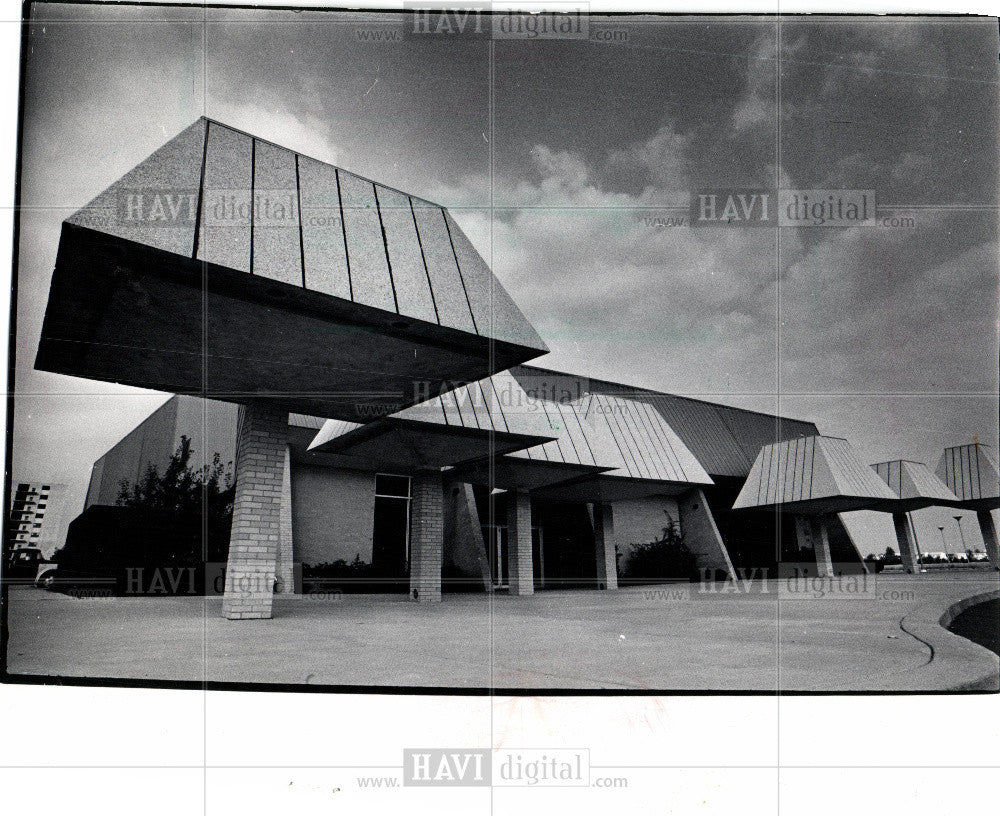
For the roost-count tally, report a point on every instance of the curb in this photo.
(956, 664)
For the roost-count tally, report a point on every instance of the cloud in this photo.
(304, 133)
(757, 107)
(892, 310)
(659, 162)
(691, 307)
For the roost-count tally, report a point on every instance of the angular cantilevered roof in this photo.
(595, 449)
(971, 473)
(462, 425)
(642, 454)
(724, 439)
(915, 485)
(814, 474)
(231, 267)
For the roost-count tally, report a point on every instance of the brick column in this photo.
(908, 551)
(286, 557)
(254, 542)
(604, 546)
(821, 543)
(426, 537)
(519, 566)
(989, 531)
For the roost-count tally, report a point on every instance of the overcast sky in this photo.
(557, 170)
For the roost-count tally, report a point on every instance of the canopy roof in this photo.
(971, 473)
(915, 485)
(230, 267)
(589, 450)
(460, 426)
(723, 438)
(643, 453)
(811, 475)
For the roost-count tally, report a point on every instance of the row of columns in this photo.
(910, 554)
(427, 541)
(812, 531)
(260, 547)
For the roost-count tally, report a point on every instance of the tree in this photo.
(183, 496)
(162, 524)
(890, 558)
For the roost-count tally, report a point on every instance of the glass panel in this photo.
(389, 540)
(386, 485)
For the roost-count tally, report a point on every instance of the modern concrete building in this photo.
(917, 488)
(972, 474)
(812, 479)
(232, 268)
(36, 516)
(345, 345)
(578, 472)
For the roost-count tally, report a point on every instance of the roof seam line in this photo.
(385, 246)
(253, 193)
(458, 266)
(343, 230)
(302, 243)
(423, 257)
(201, 194)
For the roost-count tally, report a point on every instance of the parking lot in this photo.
(762, 636)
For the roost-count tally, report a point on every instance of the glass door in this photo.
(495, 537)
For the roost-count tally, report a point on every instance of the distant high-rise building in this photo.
(36, 516)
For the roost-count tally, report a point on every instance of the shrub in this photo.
(665, 558)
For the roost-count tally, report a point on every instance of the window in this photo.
(41, 507)
(394, 486)
(45, 487)
(391, 530)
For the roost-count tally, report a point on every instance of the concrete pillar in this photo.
(803, 533)
(463, 536)
(604, 547)
(908, 551)
(701, 534)
(261, 457)
(821, 544)
(426, 537)
(989, 531)
(520, 570)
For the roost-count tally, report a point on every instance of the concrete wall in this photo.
(333, 514)
(210, 425)
(639, 521)
(151, 442)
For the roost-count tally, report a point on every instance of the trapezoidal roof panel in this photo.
(724, 439)
(469, 423)
(812, 474)
(642, 454)
(230, 267)
(915, 485)
(971, 473)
